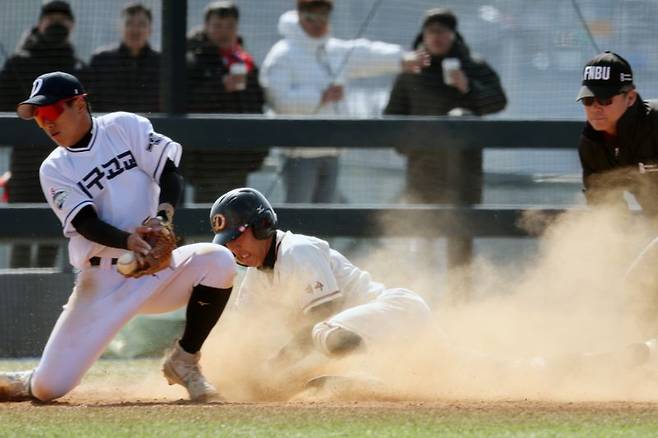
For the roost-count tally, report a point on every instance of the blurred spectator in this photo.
(126, 76)
(46, 47)
(306, 73)
(453, 82)
(222, 78)
(4, 179)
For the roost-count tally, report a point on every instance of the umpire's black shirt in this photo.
(611, 164)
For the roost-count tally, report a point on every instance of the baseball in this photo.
(127, 263)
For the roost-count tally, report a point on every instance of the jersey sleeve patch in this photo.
(151, 148)
(58, 196)
(315, 281)
(155, 140)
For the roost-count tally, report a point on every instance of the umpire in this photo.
(620, 139)
(619, 153)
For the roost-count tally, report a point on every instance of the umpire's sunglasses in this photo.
(50, 113)
(603, 101)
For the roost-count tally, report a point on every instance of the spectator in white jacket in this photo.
(305, 73)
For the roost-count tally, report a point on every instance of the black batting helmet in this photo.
(235, 211)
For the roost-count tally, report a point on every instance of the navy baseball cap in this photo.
(48, 89)
(606, 75)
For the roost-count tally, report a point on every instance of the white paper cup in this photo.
(449, 65)
(239, 69)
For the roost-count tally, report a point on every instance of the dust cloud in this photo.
(562, 324)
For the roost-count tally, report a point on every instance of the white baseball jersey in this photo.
(307, 273)
(117, 173)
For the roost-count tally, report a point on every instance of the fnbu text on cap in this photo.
(596, 73)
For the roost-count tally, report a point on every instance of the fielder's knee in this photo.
(220, 266)
(47, 391)
(335, 341)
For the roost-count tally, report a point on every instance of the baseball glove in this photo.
(162, 241)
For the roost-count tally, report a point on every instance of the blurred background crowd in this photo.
(347, 58)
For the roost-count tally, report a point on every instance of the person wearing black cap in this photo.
(454, 83)
(620, 134)
(46, 47)
(619, 153)
(106, 175)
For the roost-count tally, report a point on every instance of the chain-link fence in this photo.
(537, 47)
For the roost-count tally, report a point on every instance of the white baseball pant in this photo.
(395, 315)
(103, 301)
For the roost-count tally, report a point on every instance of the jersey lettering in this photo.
(116, 166)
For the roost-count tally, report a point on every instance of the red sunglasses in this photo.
(50, 113)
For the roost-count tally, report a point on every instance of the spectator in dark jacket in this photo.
(126, 76)
(454, 82)
(45, 48)
(222, 78)
(469, 84)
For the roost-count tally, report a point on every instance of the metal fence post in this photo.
(467, 181)
(173, 79)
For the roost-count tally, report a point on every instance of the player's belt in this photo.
(96, 261)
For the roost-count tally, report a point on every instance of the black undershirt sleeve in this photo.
(171, 184)
(91, 227)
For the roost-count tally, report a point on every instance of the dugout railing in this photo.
(237, 132)
(257, 132)
(29, 299)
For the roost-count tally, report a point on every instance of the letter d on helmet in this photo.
(235, 211)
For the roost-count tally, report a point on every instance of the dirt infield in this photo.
(79, 417)
(136, 384)
(354, 408)
(130, 398)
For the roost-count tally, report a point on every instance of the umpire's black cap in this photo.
(606, 75)
(48, 89)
